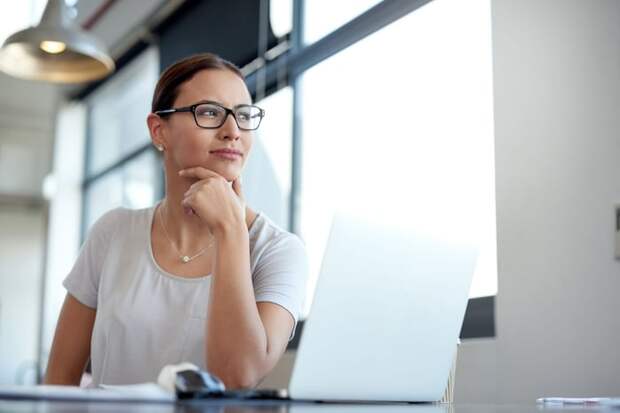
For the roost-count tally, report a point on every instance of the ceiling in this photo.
(113, 27)
(28, 108)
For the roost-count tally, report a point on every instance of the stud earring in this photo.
(160, 148)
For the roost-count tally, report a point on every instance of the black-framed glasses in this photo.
(212, 115)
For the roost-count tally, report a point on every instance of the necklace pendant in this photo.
(185, 259)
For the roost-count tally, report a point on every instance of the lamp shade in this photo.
(56, 50)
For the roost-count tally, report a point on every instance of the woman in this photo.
(200, 277)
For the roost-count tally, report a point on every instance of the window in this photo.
(266, 175)
(122, 168)
(399, 126)
(318, 23)
(117, 121)
(133, 185)
(281, 17)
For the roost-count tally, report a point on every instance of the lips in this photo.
(227, 151)
(227, 154)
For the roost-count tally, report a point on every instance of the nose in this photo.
(230, 130)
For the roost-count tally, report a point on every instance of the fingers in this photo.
(188, 210)
(199, 172)
(186, 203)
(197, 186)
(202, 174)
(194, 187)
(236, 186)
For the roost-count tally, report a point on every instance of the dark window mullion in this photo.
(116, 165)
(479, 321)
(296, 155)
(303, 57)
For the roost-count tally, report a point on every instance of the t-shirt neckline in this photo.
(151, 213)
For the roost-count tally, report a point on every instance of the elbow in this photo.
(239, 375)
(241, 379)
(241, 382)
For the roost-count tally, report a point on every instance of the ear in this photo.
(156, 129)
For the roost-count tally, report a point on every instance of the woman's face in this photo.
(188, 145)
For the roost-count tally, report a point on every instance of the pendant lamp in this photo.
(56, 50)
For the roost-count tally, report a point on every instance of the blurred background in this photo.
(486, 119)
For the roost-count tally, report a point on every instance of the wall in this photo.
(21, 248)
(557, 106)
(26, 131)
(26, 139)
(65, 211)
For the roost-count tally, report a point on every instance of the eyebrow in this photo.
(220, 103)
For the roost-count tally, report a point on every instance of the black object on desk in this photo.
(192, 384)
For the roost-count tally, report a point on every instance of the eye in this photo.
(208, 111)
(243, 116)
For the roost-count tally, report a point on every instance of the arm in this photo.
(245, 340)
(71, 345)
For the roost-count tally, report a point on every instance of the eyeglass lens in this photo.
(213, 116)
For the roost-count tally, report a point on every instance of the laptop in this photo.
(386, 316)
(385, 320)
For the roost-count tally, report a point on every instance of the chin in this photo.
(228, 174)
(228, 171)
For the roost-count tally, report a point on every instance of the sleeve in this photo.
(82, 282)
(281, 274)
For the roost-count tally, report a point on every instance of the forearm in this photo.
(56, 374)
(71, 345)
(236, 340)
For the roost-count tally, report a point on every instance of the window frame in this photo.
(90, 179)
(479, 319)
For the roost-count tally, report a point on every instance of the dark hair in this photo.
(167, 88)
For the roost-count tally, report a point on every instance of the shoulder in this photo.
(119, 219)
(274, 250)
(265, 234)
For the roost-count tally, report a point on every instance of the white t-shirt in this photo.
(148, 318)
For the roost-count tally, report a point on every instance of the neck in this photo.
(187, 231)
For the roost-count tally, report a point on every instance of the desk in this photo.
(231, 406)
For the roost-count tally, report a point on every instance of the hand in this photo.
(214, 200)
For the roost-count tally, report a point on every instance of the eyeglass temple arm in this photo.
(169, 111)
(165, 112)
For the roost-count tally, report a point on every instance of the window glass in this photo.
(134, 185)
(267, 173)
(399, 128)
(319, 23)
(117, 121)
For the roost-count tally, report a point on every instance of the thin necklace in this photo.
(184, 258)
